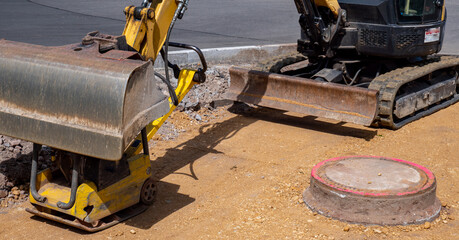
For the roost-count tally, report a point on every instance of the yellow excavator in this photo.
(97, 103)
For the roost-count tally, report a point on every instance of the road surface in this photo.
(207, 23)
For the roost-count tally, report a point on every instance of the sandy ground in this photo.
(241, 177)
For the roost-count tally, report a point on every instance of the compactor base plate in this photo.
(88, 227)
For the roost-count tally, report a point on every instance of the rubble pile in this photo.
(15, 163)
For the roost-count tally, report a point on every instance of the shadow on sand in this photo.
(209, 137)
(169, 200)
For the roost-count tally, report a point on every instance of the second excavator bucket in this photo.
(76, 98)
(321, 99)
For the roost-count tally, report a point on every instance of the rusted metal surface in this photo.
(76, 99)
(322, 99)
(373, 190)
(96, 226)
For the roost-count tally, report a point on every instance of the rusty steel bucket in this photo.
(75, 98)
(321, 99)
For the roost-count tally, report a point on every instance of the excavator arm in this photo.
(149, 25)
(96, 104)
(53, 98)
(319, 31)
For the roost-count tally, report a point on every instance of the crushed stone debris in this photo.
(15, 163)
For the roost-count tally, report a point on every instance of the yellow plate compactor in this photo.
(96, 104)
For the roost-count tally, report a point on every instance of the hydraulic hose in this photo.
(169, 87)
(182, 6)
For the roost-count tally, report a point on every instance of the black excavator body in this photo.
(382, 54)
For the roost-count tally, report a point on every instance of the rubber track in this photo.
(389, 83)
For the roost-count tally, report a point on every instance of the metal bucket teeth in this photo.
(322, 99)
(76, 99)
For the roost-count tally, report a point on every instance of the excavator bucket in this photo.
(76, 98)
(321, 99)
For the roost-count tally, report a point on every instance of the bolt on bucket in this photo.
(76, 98)
(373, 190)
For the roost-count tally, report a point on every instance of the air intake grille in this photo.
(406, 40)
(372, 38)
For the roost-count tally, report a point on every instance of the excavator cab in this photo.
(389, 29)
(394, 28)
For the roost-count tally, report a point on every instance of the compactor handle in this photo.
(73, 186)
(33, 174)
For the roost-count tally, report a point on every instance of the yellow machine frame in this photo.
(119, 196)
(147, 34)
(333, 5)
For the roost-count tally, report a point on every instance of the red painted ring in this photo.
(430, 175)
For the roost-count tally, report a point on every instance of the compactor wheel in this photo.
(148, 192)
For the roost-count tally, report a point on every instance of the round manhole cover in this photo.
(373, 190)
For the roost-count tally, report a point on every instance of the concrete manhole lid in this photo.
(373, 176)
(373, 190)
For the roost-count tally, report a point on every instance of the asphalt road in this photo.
(451, 43)
(206, 24)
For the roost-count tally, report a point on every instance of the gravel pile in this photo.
(206, 96)
(167, 132)
(209, 94)
(15, 163)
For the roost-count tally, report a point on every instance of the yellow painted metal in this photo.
(148, 34)
(108, 201)
(333, 5)
(185, 83)
(123, 193)
(407, 7)
(134, 30)
(443, 11)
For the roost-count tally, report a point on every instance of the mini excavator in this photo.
(369, 62)
(96, 104)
